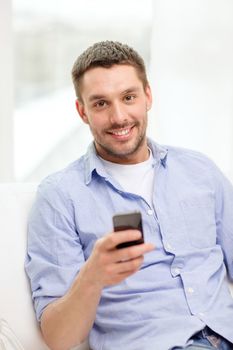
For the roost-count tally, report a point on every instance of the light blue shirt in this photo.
(181, 286)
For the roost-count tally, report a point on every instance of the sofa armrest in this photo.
(15, 301)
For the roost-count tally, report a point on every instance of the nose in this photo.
(117, 113)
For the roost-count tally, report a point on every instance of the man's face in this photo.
(115, 106)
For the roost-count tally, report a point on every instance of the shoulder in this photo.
(59, 186)
(188, 157)
(180, 158)
(196, 165)
(192, 164)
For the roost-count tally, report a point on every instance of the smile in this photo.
(121, 132)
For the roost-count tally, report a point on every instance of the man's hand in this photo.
(62, 321)
(108, 265)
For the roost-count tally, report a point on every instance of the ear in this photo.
(81, 111)
(148, 94)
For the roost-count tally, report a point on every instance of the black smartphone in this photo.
(127, 221)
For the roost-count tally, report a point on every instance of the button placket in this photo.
(190, 290)
(167, 247)
(175, 272)
(150, 212)
(177, 266)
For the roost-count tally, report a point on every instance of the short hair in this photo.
(106, 54)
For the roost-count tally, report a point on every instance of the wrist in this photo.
(87, 278)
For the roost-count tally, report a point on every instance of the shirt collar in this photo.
(159, 152)
(94, 165)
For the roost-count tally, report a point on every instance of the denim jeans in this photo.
(209, 340)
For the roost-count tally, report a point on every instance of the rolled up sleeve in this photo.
(54, 252)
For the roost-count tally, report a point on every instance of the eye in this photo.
(100, 104)
(129, 98)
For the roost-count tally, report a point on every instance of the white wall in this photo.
(47, 40)
(191, 74)
(192, 77)
(6, 93)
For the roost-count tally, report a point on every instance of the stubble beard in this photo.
(124, 153)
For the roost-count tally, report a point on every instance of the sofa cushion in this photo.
(15, 302)
(15, 295)
(8, 340)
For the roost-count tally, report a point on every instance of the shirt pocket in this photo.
(199, 217)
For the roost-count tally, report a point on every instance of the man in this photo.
(167, 293)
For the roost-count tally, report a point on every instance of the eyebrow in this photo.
(96, 97)
(101, 97)
(130, 90)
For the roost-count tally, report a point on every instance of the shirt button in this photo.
(177, 270)
(150, 212)
(168, 246)
(190, 290)
(201, 314)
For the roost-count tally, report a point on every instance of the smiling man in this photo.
(114, 103)
(169, 292)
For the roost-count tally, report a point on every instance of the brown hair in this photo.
(106, 54)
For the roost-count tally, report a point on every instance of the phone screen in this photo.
(127, 221)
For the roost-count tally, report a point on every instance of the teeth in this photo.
(121, 132)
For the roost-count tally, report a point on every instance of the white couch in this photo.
(15, 297)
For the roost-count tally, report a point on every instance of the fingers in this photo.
(107, 245)
(108, 265)
(113, 239)
(116, 273)
(119, 278)
(132, 252)
(129, 266)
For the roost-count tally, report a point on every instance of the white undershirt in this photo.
(134, 178)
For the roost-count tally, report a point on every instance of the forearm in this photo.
(68, 321)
